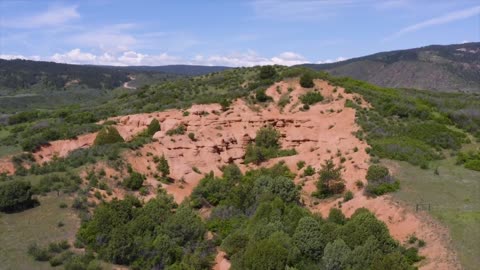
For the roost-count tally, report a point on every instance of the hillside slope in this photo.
(22, 74)
(325, 131)
(443, 68)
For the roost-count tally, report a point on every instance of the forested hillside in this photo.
(449, 68)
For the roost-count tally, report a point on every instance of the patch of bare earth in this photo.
(325, 131)
(6, 166)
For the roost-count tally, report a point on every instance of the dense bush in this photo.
(470, 160)
(266, 146)
(377, 172)
(311, 98)
(306, 80)
(260, 224)
(261, 96)
(153, 235)
(309, 171)
(134, 181)
(267, 137)
(380, 181)
(108, 135)
(15, 195)
(473, 165)
(267, 72)
(153, 127)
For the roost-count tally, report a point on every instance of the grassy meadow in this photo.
(454, 195)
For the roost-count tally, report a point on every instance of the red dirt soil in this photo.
(325, 131)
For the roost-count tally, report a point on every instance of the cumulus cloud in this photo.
(75, 56)
(133, 58)
(127, 58)
(250, 58)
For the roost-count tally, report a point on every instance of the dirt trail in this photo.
(325, 131)
(127, 85)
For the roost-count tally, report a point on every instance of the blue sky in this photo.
(229, 32)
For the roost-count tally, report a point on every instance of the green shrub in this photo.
(309, 171)
(284, 100)
(311, 98)
(163, 166)
(267, 137)
(108, 135)
(15, 195)
(421, 243)
(134, 181)
(380, 181)
(261, 96)
(266, 146)
(153, 127)
(179, 130)
(267, 72)
(300, 164)
(38, 253)
(377, 172)
(191, 136)
(347, 196)
(306, 80)
(473, 165)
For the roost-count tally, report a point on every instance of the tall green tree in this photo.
(336, 255)
(309, 238)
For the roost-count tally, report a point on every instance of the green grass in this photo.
(19, 230)
(6, 150)
(454, 195)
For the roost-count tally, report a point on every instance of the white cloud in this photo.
(127, 58)
(133, 58)
(328, 61)
(53, 16)
(444, 19)
(75, 56)
(248, 59)
(19, 56)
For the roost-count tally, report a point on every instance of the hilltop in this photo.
(447, 68)
(243, 161)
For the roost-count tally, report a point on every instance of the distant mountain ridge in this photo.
(25, 74)
(187, 70)
(448, 68)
